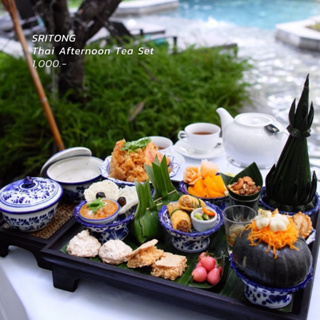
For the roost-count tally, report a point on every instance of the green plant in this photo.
(315, 26)
(128, 96)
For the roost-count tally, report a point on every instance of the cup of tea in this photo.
(235, 218)
(201, 136)
(164, 144)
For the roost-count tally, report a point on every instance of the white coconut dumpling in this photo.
(130, 193)
(114, 252)
(84, 245)
(109, 188)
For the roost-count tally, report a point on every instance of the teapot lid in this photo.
(29, 194)
(254, 119)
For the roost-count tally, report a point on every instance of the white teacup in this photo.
(201, 136)
(164, 144)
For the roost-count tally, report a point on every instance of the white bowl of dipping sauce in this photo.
(206, 223)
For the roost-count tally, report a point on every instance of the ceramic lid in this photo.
(254, 119)
(29, 194)
(67, 153)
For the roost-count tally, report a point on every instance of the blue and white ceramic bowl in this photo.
(75, 174)
(117, 229)
(311, 213)
(273, 298)
(30, 204)
(219, 201)
(190, 241)
(105, 220)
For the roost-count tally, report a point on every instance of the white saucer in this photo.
(67, 153)
(184, 148)
(179, 162)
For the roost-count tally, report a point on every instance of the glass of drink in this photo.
(235, 218)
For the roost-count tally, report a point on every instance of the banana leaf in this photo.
(146, 225)
(159, 176)
(252, 171)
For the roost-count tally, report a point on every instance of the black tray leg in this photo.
(41, 262)
(64, 279)
(4, 247)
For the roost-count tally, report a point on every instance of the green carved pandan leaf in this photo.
(289, 184)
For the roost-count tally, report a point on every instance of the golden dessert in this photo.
(204, 181)
(145, 255)
(303, 224)
(128, 159)
(170, 266)
(84, 245)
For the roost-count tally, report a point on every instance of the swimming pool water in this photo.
(263, 14)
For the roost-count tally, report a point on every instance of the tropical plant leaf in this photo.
(159, 176)
(146, 225)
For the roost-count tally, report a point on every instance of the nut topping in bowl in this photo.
(244, 186)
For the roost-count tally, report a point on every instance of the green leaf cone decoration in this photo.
(289, 184)
(146, 225)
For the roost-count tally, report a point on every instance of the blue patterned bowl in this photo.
(311, 213)
(30, 204)
(105, 220)
(117, 229)
(190, 241)
(219, 201)
(75, 174)
(175, 165)
(273, 298)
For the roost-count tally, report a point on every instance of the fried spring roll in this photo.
(180, 220)
(189, 203)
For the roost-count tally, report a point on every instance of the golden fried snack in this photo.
(170, 266)
(171, 206)
(180, 220)
(303, 224)
(145, 255)
(128, 165)
(189, 203)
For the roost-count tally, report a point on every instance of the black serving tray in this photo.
(226, 301)
(35, 241)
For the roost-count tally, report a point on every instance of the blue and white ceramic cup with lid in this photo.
(30, 204)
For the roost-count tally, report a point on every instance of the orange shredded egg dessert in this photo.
(272, 232)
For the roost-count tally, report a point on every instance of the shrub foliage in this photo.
(127, 96)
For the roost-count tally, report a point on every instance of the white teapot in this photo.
(252, 137)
